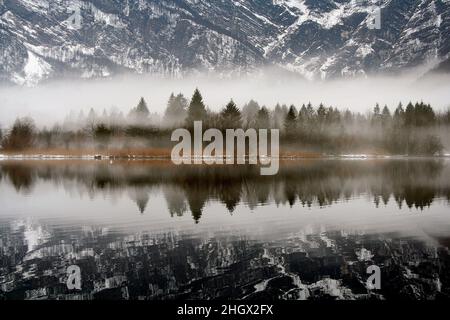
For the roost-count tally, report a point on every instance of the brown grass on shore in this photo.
(137, 152)
(132, 152)
(122, 153)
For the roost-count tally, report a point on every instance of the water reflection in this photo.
(306, 265)
(411, 183)
(178, 244)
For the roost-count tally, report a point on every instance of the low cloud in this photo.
(53, 101)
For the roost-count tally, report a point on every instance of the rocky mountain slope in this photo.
(45, 39)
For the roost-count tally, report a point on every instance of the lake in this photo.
(152, 230)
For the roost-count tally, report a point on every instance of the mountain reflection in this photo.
(316, 264)
(48, 222)
(412, 183)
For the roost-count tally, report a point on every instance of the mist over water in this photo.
(53, 101)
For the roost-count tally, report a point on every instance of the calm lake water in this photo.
(150, 230)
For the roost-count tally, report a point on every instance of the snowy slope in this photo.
(44, 39)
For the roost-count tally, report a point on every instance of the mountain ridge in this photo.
(324, 39)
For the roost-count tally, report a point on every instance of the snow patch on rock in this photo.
(34, 71)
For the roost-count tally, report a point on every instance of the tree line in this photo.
(414, 129)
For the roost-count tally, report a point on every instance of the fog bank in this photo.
(53, 101)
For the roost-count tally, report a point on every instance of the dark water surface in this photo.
(150, 230)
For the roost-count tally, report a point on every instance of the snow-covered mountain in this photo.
(44, 39)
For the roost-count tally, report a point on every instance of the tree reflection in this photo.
(176, 200)
(414, 183)
(141, 196)
(20, 177)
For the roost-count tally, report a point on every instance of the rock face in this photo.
(45, 39)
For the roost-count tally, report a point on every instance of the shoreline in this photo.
(105, 157)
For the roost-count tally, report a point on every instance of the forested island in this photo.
(413, 129)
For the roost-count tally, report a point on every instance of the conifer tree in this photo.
(249, 113)
(262, 118)
(310, 110)
(399, 114)
(175, 113)
(290, 121)
(376, 110)
(278, 117)
(231, 116)
(376, 116)
(140, 114)
(302, 117)
(142, 109)
(409, 115)
(386, 116)
(197, 109)
(321, 113)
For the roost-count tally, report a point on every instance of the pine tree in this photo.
(249, 113)
(302, 118)
(424, 115)
(310, 111)
(376, 110)
(231, 116)
(175, 113)
(399, 115)
(376, 116)
(278, 117)
(262, 118)
(290, 121)
(142, 109)
(140, 114)
(386, 116)
(321, 113)
(332, 115)
(197, 109)
(409, 116)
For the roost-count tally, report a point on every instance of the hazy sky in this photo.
(53, 101)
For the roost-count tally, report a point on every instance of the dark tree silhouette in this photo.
(142, 108)
(262, 118)
(197, 109)
(231, 116)
(290, 121)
